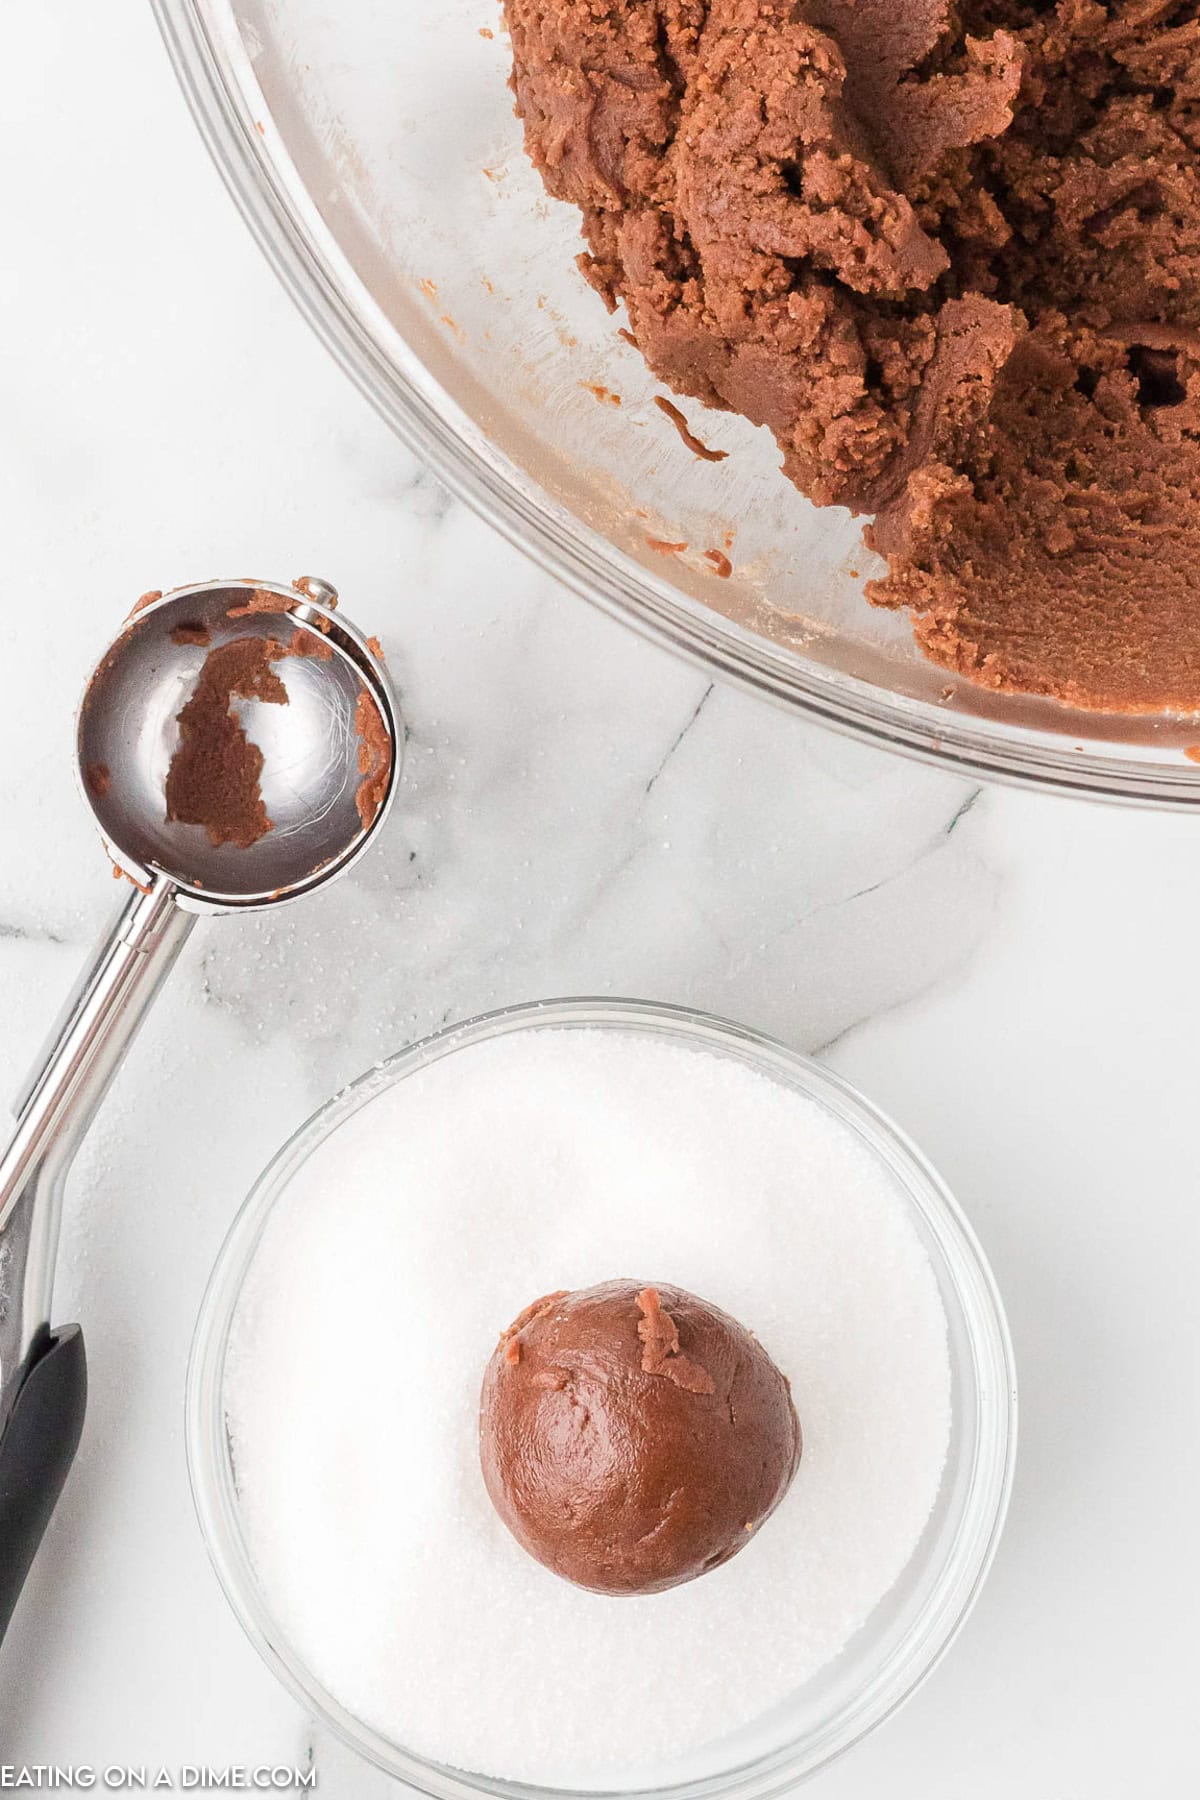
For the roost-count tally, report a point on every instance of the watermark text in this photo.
(132, 1778)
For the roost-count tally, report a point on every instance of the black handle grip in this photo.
(36, 1451)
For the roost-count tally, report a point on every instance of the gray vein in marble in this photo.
(971, 799)
(29, 934)
(954, 966)
(874, 887)
(589, 902)
(428, 498)
(677, 740)
(820, 1052)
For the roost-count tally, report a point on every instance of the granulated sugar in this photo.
(556, 1158)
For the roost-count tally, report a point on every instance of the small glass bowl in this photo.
(912, 1626)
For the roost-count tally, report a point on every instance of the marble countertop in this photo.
(1013, 978)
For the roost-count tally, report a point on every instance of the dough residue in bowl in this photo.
(950, 257)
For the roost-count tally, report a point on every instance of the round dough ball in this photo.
(633, 1437)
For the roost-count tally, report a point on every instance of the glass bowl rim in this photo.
(229, 108)
(981, 1514)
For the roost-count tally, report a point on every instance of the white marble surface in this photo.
(1016, 979)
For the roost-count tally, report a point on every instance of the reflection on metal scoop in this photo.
(239, 746)
(312, 747)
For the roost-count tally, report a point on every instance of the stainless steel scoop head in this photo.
(312, 747)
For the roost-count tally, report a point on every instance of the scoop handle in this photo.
(43, 1374)
(69, 1082)
(36, 1452)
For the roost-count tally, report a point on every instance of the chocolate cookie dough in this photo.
(214, 774)
(634, 1437)
(950, 256)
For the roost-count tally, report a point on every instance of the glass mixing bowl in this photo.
(372, 146)
(910, 1628)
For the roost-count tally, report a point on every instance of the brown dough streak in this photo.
(214, 775)
(662, 1355)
